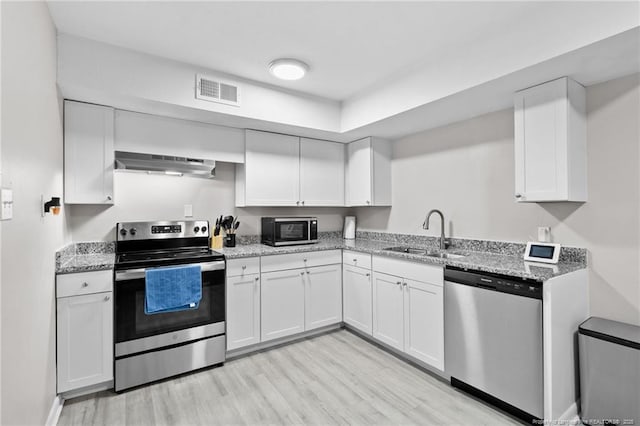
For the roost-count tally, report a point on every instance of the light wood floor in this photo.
(336, 378)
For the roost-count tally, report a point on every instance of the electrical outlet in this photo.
(6, 204)
(544, 234)
(188, 210)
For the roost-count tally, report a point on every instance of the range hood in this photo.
(165, 164)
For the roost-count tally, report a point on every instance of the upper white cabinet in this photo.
(271, 169)
(368, 173)
(551, 142)
(153, 134)
(88, 153)
(321, 173)
(284, 170)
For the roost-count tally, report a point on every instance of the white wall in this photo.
(143, 197)
(467, 170)
(31, 165)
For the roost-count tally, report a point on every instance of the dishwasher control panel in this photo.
(504, 284)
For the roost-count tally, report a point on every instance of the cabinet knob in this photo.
(297, 203)
(302, 273)
(304, 260)
(307, 272)
(109, 197)
(244, 267)
(257, 278)
(368, 274)
(355, 260)
(399, 283)
(106, 298)
(404, 283)
(302, 203)
(518, 195)
(368, 202)
(85, 284)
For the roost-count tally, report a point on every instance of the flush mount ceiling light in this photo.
(288, 69)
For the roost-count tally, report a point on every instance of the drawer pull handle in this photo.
(304, 260)
(244, 267)
(85, 284)
(355, 260)
(368, 275)
(307, 272)
(257, 278)
(106, 298)
(302, 273)
(399, 283)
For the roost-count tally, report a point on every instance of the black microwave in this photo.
(288, 231)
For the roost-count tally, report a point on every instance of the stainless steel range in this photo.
(150, 347)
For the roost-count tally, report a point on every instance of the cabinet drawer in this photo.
(433, 274)
(282, 262)
(84, 283)
(244, 266)
(353, 258)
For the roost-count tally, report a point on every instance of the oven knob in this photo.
(204, 229)
(123, 232)
(133, 231)
(196, 229)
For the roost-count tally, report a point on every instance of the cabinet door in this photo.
(356, 285)
(282, 307)
(85, 340)
(88, 153)
(424, 322)
(542, 130)
(272, 171)
(359, 173)
(388, 325)
(243, 311)
(321, 173)
(323, 296)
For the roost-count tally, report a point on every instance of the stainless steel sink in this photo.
(444, 255)
(409, 250)
(424, 252)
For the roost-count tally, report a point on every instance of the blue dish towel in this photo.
(172, 289)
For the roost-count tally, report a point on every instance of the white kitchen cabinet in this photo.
(88, 153)
(551, 142)
(323, 296)
(283, 302)
(388, 308)
(84, 334)
(356, 283)
(243, 304)
(408, 308)
(368, 173)
(424, 322)
(285, 170)
(321, 173)
(271, 171)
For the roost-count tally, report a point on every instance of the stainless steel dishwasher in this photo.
(493, 339)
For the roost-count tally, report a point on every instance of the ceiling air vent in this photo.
(216, 90)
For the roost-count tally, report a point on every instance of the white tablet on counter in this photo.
(542, 252)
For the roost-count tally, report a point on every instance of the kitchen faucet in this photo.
(443, 242)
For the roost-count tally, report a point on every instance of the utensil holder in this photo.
(216, 242)
(230, 240)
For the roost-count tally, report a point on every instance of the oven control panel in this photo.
(130, 231)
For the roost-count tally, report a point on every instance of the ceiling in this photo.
(351, 47)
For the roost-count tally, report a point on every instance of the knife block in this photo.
(216, 242)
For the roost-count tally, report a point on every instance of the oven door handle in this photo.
(132, 274)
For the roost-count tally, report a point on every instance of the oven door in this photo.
(136, 331)
(288, 232)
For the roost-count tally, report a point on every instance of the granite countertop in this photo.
(488, 256)
(84, 257)
(499, 263)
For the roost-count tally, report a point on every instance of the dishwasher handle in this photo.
(494, 282)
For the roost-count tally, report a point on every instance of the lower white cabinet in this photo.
(408, 308)
(84, 331)
(282, 303)
(243, 310)
(356, 299)
(388, 311)
(322, 296)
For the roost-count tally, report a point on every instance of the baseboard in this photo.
(54, 412)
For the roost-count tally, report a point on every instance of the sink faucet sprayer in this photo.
(443, 242)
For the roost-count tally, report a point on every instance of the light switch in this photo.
(188, 210)
(6, 204)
